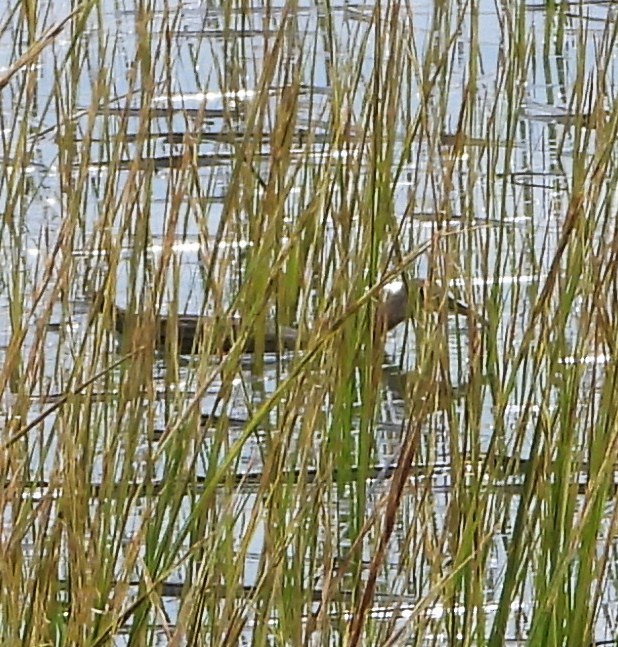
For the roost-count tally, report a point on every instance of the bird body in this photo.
(190, 331)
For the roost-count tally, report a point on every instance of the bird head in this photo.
(394, 306)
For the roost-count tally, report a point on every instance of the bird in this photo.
(398, 302)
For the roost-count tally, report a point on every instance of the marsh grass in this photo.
(452, 483)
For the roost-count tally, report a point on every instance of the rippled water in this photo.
(520, 196)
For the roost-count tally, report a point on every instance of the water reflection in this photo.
(181, 148)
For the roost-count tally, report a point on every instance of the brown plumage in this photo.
(399, 303)
(190, 330)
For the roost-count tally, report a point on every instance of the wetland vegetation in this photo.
(448, 482)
